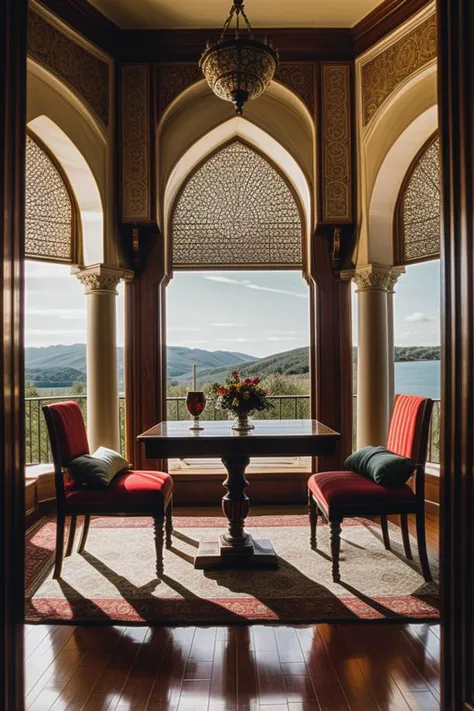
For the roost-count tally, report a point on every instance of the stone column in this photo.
(396, 272)
(100, 284)
(373, 379)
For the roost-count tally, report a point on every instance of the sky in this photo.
(416, 306)
(56, 306)
(257, 313)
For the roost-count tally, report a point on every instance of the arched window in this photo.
(418, 214)
(52, 231)
(237, 210)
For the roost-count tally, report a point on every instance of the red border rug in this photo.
(194, 597)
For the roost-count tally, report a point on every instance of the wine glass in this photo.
(195, 404)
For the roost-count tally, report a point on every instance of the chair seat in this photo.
(342, 492)
(130, 489)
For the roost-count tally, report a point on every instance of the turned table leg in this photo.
(235, 504)
(236, 547)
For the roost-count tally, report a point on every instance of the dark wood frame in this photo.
(13, 30)
(398, 225)
(384, 510)
(456, 114)
(162, 519)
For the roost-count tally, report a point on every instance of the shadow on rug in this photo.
(114, 581)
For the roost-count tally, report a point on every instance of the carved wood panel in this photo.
(336, 143)
(83, 71)
(384, 72)
(136, 196)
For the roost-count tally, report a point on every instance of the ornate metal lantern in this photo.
(238, 67)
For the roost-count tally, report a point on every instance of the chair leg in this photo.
(158, 525)
(335, 549)
(386, 537)
(169, 523)
(85, 531)
(71, 536)
(60, 523)
(406, 536)
(313, 520)
(421, 537)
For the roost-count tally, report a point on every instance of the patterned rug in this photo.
(114, 581)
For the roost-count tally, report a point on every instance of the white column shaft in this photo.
(102, 379)
(372, 368)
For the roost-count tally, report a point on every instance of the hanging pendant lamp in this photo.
(238, 67)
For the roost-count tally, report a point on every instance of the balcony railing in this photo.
(37, 446)
(286, 407)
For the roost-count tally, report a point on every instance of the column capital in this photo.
(100, 278)
(394, 277)
(375, 277)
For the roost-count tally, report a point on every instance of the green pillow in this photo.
(384, 467)
(98, 469)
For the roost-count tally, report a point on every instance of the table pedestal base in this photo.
(217, 554)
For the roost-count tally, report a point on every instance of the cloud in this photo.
(227, 280)
(189, 343)
(65, 314)
(418, 317)
(228, 325)
(286, 333)
(276, 339)
(255, 287)
(55, 332)
(186, 329)
(276, 291)
(239, 340)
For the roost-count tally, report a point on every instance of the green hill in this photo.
(60, 366)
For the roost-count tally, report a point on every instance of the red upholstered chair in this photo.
(345, 494)
(131, 493)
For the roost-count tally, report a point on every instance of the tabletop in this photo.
(269, 438)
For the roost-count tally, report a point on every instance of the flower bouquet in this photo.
(241, 397)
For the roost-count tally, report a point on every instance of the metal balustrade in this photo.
(286, 407)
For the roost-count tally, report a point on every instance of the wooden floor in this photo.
(360, 667)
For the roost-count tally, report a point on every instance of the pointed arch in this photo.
(417, 228)
(236, 210)
(239, 129)
(52, 224)
(64, 126)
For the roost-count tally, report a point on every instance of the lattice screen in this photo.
(420, 209)
(50, 214)
(236, 210)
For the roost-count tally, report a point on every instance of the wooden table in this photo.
(270, 438)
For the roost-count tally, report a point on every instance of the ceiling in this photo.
(193, 14)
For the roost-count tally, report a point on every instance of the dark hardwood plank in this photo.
(261, 668)
(247, 683)
(375, 664)
(328, 688)
(359, 695)
(166, 691)
(271, 687)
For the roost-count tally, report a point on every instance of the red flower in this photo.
(255, 381)
(222, 391)
(247, 381)
(235, 374)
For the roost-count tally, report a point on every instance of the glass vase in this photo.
(242, 423)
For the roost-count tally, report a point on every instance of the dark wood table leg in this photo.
(236, 547)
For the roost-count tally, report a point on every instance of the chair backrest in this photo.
(68, 437)
(409, 427)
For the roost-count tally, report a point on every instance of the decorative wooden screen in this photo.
(418, 223)
(236, 210)
(51, 227)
